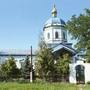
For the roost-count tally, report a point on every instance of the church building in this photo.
(55, 36)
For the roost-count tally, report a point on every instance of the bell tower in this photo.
(54, 29)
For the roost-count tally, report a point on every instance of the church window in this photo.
(56, 35)
(48, 35)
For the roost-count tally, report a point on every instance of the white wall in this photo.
(87, 72)
(72, 76)
(51, 30)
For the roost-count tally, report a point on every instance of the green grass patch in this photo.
(40, 86)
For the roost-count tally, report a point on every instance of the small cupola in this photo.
(54, 11)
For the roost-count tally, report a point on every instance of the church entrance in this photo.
(80, 76)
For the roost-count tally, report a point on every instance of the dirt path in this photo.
(80, 87)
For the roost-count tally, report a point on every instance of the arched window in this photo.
(48, 35)
(56, 35)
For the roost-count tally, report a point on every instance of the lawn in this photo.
(41, 86)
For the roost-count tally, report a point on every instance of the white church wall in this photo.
(51, 30)
(72, 76)
(18, 64)
(21, 60)
(59, 33)
(87, 72)
(46, 31)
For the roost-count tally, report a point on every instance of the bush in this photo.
(88, 82)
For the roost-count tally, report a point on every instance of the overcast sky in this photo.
(22, 21)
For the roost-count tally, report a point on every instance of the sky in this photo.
(22, 21)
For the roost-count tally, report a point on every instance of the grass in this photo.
(87, 87)
(40, 86)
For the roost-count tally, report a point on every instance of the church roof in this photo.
(60, 46)
(54, 20)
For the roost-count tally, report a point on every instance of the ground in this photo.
(42, 86)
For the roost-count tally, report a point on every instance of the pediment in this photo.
(61, 48)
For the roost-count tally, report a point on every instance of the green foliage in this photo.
(9, 69)
(88, 82)
(45, 62)
(88, 55)
(62, 66)
(45, 66)
(26, 68)
(79, 27)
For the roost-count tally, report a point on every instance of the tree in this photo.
(45, 62)
(79, 27)
(62, 66)
(26, 68)
(9, 69)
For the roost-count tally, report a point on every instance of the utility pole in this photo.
(31, 72)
